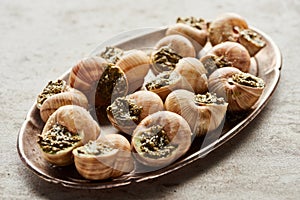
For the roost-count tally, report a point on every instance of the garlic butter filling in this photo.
(155, 143)
(166, 59)
(125, 111)
(57, 138)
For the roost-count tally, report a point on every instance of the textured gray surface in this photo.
(39, 40)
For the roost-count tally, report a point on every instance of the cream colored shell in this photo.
(178, 132)
(85, 76)
(234, 53)
(193, 74)
(109, 165)
(135, 64)
(202, 119)
(180, 44)
(196, 36)
(150, 103)
(226, 28)
(239, 97)
(70, 96)
(77, 120)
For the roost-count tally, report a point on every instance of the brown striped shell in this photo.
(86, 75)
(193, 74)
(77, 120)
(96, 165)
(135, 64)
(227, 54)
(240, 95)
(149, 102)
(70, 96)
(177, 131)
(196, 36)
(202, 118)
(226, 27)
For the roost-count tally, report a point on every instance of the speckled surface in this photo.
(39, 40)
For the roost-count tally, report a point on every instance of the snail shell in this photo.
(193, 74)
(78, 122)
(252, 41)
(135, 64)
(227, 54)
(148, 103)
(240, 90)
(226, 28)
(164, 59)
(167, 133)
(198, 36)
(202, 117)
(107, 157)
(180, 44)
(69, 96)
(166, 82)
(99, 80)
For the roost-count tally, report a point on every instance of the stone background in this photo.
(39, 40)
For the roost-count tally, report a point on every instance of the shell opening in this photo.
(193, 22)
(214, 62)
(57, 138)
(112, 54)
(52, 88)
(161, 80)
(248, 80)
(155, 143)
(125, 111)
(252, 37)
(165, 59)
(208, 98)
(112, 84)
(94, 148)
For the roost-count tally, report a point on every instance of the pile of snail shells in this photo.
(185, 96)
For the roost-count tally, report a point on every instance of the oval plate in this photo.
(267, 64)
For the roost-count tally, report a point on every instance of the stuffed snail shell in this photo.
(203, 112)
(107, 157)
(68, 127)
(241, 90)
(227, 54)
(57, 94)
(126, 112)
(160, 139)
(101, 81)
(192, 28)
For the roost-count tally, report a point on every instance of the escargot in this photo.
(227, 54)
(252, 41)
(160, 139)
(107, 157)
(232, 27)
(164, 83)
(68, 127)
(241, 90)
(101, 81)
(192, 28)
(203, 112)
(134, 63)
(164, 59)
(126, 112)
(178, 43)
(56, 94)
(193, 74)
(226, 27)
(168, 51)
